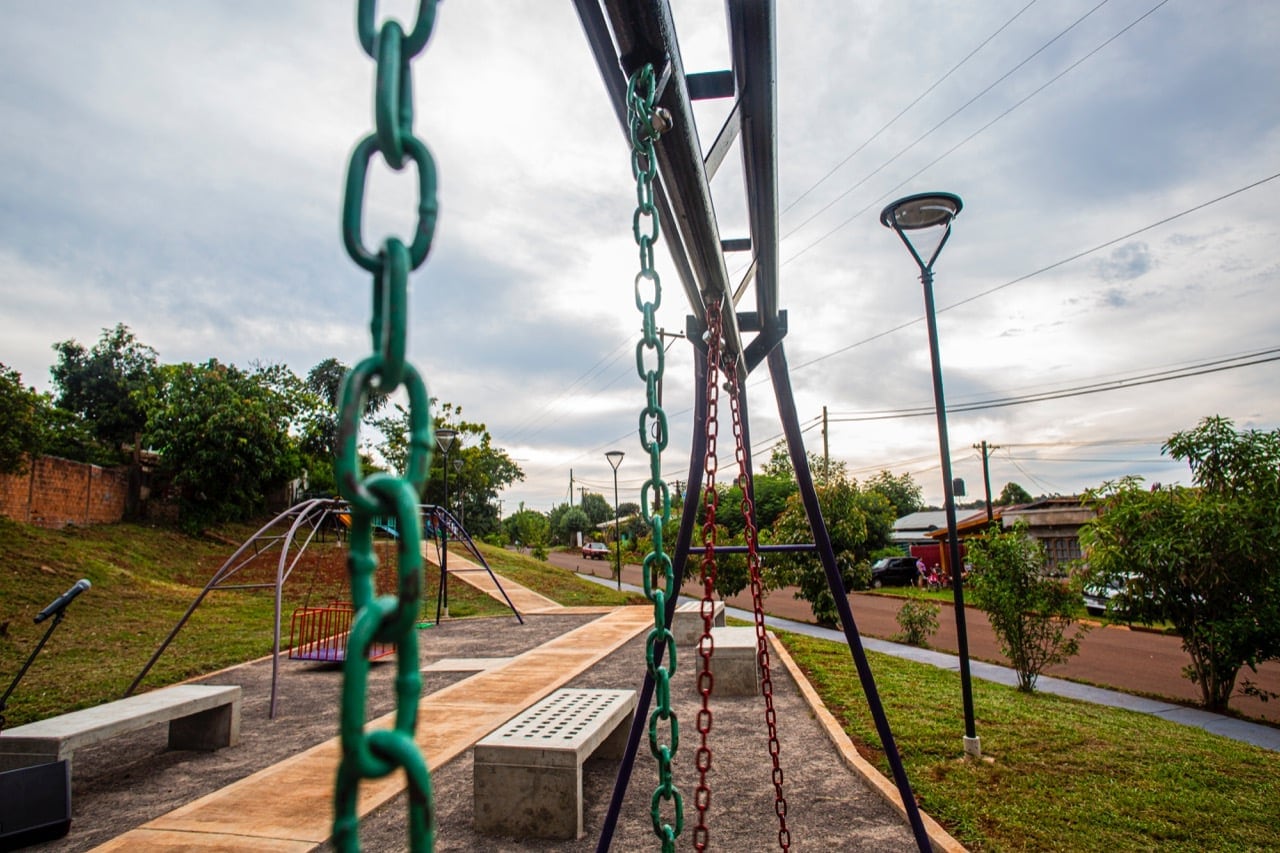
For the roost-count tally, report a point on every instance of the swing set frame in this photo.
(624, 35)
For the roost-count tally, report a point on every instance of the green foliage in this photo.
(22, 422)
(572, 521)
(901, 491)
(224, 437)
(918, 620)
(101, 386)
(529, 528)
(1205, 559)
(1029, 611)
(1011, 494)
(473, 488)
(858, 521)
(596, 508)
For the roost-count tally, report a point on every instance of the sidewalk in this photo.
(1228, 727)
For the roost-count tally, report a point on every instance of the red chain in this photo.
(706, 645)
(757, 603)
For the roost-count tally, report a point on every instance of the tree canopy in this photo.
(21, 422)
(101, 385)
(1012, 494)
(1205, 558)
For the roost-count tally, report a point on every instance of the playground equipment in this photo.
(635, 47)
(320, 632)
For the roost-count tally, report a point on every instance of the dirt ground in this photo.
(127, 781)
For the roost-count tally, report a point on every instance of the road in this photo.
(1135, 661)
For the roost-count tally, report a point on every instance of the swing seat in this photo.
(320, 634)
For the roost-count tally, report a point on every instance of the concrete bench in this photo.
(528, 773)
(200, 716)
(735, 662)
(686, 623)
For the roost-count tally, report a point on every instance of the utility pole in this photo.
(986, 472)
(826, 449)
(582, 494)
(663, 334)
(570, 488)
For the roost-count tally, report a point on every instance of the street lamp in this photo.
(462, 507)
(445, 438)
(930, 212)
(615, 459)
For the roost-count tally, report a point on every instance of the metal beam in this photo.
(644, 33)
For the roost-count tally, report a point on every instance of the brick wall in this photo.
(56, 492)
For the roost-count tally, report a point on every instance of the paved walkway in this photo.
(256, 813)
(1229, 727)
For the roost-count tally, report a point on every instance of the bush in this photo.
(918, 620)
(1029, 611)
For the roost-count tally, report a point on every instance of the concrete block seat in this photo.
(686, 622)
(200, 716)
(528, 772)
(735, 662)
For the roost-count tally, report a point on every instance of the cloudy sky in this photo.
(177, 167)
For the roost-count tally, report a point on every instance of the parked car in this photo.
(894, 570)
(1097, 599)
(595, 551)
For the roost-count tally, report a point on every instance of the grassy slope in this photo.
(1066, 775)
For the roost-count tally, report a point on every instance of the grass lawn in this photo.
(560, 585)
(1065, 775)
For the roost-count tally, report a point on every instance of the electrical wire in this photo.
(918, 99)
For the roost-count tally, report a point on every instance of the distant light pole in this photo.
(445, 438)
(462, 507)
(921, 212)
(615, 459)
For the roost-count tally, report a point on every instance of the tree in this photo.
(1030, 611)
(22, 422)
(101, 385)
(574, 520)
(858, 522)
(223, 435)
(485, 470)
(1012, 494)
(1205, 559)
(528, 528)
(596, 508)
(628, 508)
(901, 491)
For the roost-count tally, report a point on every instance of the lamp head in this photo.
(445, 438)
(921, 211)
(615, 458)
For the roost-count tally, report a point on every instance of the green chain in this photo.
(644, 123)
(387, 618)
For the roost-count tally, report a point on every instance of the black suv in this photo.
(894, 570)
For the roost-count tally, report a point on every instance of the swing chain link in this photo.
(385, 618)
(706, 643)
(655, 497)
(757, 599)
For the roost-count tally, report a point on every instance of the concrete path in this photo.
(473, 574)
(288, 806)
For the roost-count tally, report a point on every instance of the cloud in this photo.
(1125, 263)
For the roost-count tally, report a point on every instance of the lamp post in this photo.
(445, 438)
(930, 212)
(615, 459)
(462, 507)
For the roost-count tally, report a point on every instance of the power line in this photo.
(1216, 366)
(917, 100)
(952, 115)
(1077, 256)
(980, 130)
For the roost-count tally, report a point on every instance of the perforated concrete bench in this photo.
(200, 716)
(686, 623)
(734, 661)
(528, 773)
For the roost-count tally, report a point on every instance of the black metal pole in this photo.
(617, 537)
(971, 745)
(778, 372)
(4, 700)
(442, 594)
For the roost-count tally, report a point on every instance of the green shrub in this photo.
(918, 620)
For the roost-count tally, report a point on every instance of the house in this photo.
(1056, 522)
